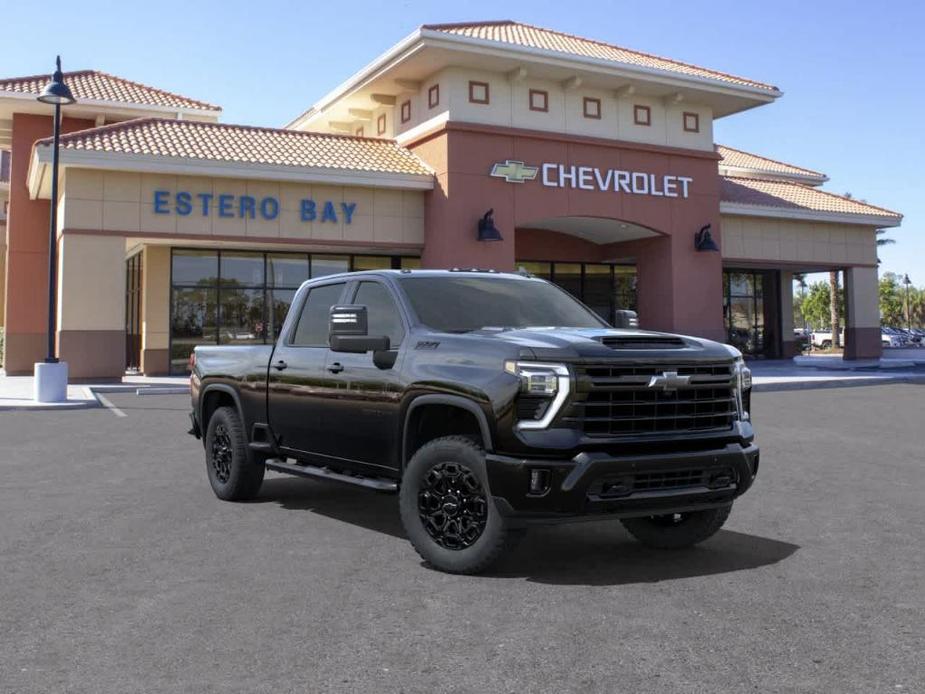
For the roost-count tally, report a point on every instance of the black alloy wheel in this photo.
(221, 453)
(453, 506)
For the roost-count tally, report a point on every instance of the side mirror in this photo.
(626, 319)
(347, 331)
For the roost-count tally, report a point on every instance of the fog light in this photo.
(539, 481)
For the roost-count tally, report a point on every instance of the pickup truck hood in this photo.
(603, 343)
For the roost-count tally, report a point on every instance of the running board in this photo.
(375, 483)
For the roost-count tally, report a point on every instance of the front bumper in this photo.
(595, 483)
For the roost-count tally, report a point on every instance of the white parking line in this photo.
(105, 402)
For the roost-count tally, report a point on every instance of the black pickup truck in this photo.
(488, 401)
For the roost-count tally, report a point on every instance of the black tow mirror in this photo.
(626, 319)
(348, 327)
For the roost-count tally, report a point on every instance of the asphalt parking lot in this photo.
(120, 572)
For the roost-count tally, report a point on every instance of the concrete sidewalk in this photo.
(16, 391)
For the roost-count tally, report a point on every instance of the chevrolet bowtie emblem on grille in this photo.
(514, 171)
(669, 380)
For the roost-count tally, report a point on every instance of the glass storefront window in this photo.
(323, 265)
(410, 263)
(744, 309)
(194, 321)
(604, 287)
(197, 268)
(598, 292)
(242, 297)
(241, 269)
(372, 262)
(287, 269)
(241, 316)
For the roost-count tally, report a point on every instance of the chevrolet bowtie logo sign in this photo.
(669, 380)
(514, 171)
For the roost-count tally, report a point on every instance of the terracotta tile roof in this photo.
(515, 33)
(738, 159)
(93, 85)
(794, 196)
(245, 144)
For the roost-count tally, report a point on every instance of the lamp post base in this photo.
(50, 382)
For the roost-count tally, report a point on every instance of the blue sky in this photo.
(851, 72)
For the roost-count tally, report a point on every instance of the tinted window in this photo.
(461, 304)
(382, 313)
(312, 328)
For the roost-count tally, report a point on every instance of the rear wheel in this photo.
(447, 511)
(677, 530)
(233, 473)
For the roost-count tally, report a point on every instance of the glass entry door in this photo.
(133, 286)
(751, 311)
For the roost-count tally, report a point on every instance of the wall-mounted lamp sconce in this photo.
(487, 229)
(703, 240)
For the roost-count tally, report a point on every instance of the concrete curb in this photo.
(835, 383)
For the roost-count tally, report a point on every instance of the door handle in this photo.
(281, 365)
(336, 367)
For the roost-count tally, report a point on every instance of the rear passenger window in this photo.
(382, 313)
(312, 328)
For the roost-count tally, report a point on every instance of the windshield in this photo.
(461, 304)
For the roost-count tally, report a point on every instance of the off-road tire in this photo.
(234, 473)
(463, 456)
(672, 532)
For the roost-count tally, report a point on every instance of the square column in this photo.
(91, 305)
(155, 311)
(862, 325)
(789, 345)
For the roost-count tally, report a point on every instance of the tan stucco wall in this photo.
(91, 282)
(862, 290)
(509, 106)
(782, 240)
(124, 202)
(155, 297)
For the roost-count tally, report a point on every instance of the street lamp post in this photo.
(51, 375)
(907, 282)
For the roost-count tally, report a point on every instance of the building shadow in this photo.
(596, 553)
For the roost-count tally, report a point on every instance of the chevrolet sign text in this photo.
(633, 182)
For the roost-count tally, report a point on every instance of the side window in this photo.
(312, 328)
(383, 314)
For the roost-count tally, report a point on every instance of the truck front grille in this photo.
(617, 400)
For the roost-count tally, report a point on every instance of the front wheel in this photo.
(233, 473)
(677, 530)
(447, 511)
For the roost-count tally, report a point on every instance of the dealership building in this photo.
(586, 163)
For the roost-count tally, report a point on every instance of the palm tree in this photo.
(883, 241)
(833, 307)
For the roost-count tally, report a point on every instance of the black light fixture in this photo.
(487, 229)
(51, 377)
(703, 240)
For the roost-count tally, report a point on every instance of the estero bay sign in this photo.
(185, 203)
(556, 175)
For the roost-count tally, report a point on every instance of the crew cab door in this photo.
(363, 411)
(297, 382)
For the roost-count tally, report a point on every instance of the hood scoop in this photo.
(643, 342)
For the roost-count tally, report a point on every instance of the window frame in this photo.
(592, 100)
(538, 92)
(405, 111)
(640, 109)
(380, 124)
(696, 120)
(473, 85)
(433, 96)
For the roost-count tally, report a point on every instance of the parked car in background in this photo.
(822, 339)
(890, 339)
(804, 337)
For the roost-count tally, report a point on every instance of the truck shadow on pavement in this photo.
(597, 553)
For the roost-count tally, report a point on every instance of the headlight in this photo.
(543, 390)
(743, 389)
